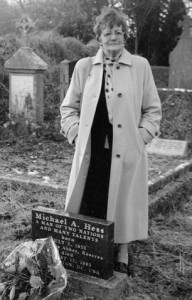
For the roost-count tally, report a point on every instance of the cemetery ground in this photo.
(34, 171)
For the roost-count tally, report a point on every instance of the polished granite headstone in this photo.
(85, 244)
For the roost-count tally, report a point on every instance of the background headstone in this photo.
(180, 59)
(167, 147)
(26, 86)
(26, 69)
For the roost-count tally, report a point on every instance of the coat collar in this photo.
(126, 58)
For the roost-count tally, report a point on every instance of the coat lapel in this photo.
(90, 97)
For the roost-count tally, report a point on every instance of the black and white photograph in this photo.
(95, 149)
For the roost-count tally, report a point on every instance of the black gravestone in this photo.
(85, 244)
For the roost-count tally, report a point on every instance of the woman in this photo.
(110, 112)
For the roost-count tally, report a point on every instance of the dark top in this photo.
(95, 197)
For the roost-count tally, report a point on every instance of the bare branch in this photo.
(4, 87)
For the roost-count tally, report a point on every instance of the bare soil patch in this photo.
(49, 162)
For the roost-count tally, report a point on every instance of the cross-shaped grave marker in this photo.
(25, 25)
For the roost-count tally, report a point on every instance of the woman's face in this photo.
(112, 40)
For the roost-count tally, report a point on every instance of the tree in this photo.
(69, 17)
(8, 17)
(171, 31)
(153, 24)
(138, 12)
(75, 21)
(151, 21)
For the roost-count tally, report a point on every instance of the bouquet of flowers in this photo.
(33, 271)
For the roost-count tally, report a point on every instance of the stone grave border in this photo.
(153, 185)
(169, 176)
(176, 180)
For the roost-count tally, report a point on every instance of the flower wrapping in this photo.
(33, 270)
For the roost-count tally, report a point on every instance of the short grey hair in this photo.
(110, 17)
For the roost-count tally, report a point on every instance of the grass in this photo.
(162, 264)
(16, 203)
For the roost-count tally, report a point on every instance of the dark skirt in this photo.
(95, 197)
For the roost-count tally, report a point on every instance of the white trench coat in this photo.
(135, 104)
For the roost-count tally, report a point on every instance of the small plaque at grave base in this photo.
(167, 147)
(85, 244)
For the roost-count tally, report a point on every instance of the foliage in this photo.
(8, 16)
(74, 49)
(177, 115)
(162, 264)
(92, 9)
(51, 93)
(17, 201)
(32, 269)
(170, 31)
(153, 24)
(156, 28)
(52, 48)
(154, 32)
(92, 47)
(78, 29)
(4, 108)
(47, 45)
(70, 18)
(8, 46)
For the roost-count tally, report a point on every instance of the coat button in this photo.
(119, 94)
(119, 125)
(118, 155)
(156, 133)
(117, 67)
